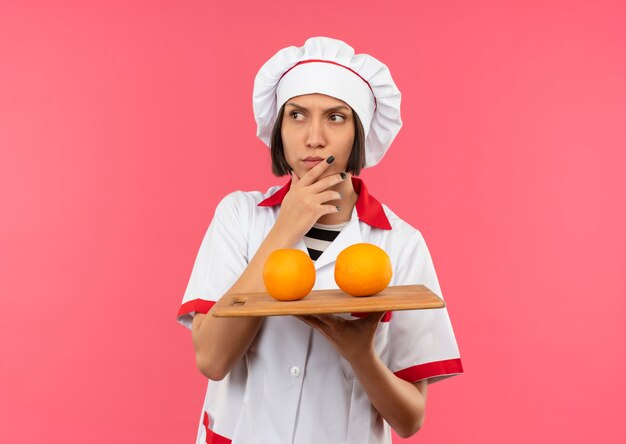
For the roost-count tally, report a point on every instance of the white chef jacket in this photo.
(292, 386)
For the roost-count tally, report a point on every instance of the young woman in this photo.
(326, 113)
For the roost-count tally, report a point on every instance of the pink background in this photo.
(123, 123)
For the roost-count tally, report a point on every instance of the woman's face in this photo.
(314, 127)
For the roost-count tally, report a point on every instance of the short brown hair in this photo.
(280, 167)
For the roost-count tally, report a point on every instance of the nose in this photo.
(315, 135)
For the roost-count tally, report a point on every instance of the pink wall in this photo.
(123, 123)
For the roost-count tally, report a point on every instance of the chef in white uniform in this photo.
(325, 112)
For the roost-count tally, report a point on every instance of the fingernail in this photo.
(343, 175)
(338, 209)
(330, 159)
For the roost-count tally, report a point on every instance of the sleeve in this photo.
(220, 261)
(422, 342)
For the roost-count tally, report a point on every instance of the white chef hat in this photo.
(328, 66)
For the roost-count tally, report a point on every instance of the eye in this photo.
(294, 114)
(337, 118)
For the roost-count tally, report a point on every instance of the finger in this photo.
(302, 318)
(370, 318)
(376, 317)
(327, 196)
(328, 182)
(294, 178)
(314, 173)
(330, 209)
(311, 321)
(327, 319)
(323, 323)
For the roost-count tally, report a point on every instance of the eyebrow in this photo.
(334, 108)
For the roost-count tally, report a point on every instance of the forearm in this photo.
(221, 342)
(399, 402)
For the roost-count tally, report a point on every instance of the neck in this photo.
(345, 204)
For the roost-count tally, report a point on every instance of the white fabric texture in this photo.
(293, 386)
(357, 72)
(332, 80)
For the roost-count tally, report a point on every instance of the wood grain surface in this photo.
(401, 297)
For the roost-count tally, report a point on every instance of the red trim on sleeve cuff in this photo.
(430, 370)
(211, 436)
(198, 305)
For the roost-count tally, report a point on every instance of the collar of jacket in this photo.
(368, 209)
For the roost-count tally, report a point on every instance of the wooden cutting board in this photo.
(401, 297)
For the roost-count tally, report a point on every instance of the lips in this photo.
(311, 161)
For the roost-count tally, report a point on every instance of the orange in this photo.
(288, 274)
(363, 270)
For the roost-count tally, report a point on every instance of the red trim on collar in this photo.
(211, 436)
(368, 208)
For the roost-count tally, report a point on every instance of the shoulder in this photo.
(401, 230)
(240, 203)
(246, 198)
